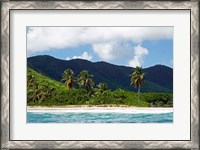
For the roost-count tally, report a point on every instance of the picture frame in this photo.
(8, 6)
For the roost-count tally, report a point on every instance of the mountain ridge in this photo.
(159, 78)
(49, 56)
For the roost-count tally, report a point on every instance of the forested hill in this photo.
(158, 78)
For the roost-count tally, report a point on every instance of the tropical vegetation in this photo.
(81, 90)
(158, 78)
(85, 80)
(67, 76)
(137, 78)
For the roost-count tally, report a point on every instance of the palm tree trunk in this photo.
(138, 93)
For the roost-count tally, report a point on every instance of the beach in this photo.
(99, 109)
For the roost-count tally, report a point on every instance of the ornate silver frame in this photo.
(6, 6)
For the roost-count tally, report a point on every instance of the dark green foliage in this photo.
(86, 81)
(68, 77)
(157, 78)
(43, 91)
(158, 99)
(137, 78)
(101, 88)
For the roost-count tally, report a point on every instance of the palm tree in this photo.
(101, 87)
(48, 91)
(137, 77)
(30, 80)
(42, 92)
(37, 95)
(67, 76)
(86, 80)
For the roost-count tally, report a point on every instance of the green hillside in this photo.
(158, 78)
(43, 91)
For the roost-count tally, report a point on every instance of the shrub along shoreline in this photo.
(109, 98)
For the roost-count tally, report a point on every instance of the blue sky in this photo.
(128, 46)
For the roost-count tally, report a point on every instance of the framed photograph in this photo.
(99, 74)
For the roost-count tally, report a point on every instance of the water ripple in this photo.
(34, 117)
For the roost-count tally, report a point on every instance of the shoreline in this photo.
(98, 109)
(94, 107)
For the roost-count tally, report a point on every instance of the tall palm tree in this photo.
(68, 77)
(86, 80)
(137, 77)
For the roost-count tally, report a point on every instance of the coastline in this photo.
(99, 109)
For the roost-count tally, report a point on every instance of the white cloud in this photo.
(104, 50)
(67, 58)
(84, 55)
(112, 50)
(47, 38)
(139, 54)
(109, 43)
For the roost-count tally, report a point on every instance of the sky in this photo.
(127, 46)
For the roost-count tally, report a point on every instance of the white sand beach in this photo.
(99, 109)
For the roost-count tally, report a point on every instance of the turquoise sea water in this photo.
(72, 117)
